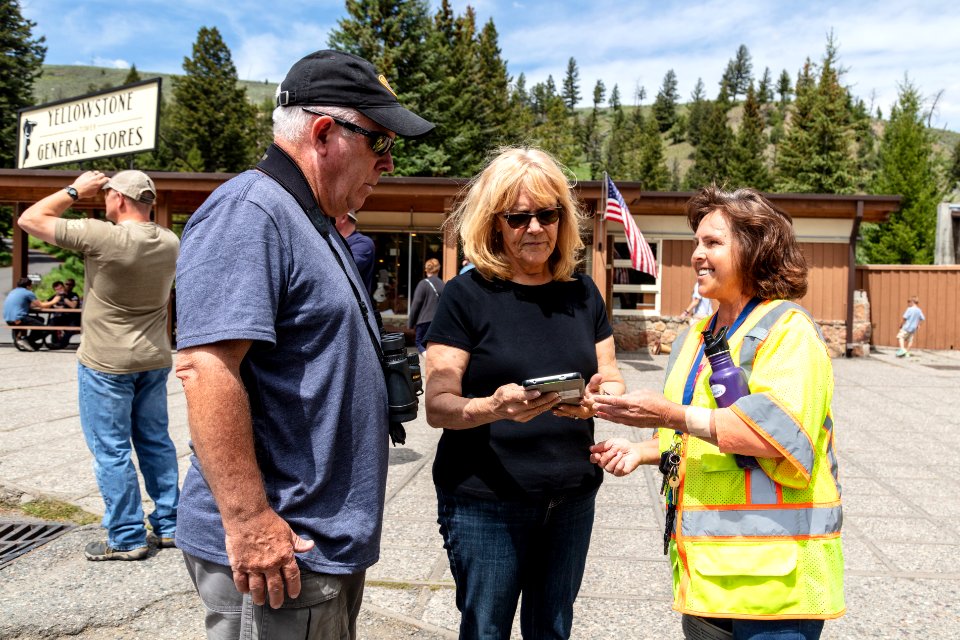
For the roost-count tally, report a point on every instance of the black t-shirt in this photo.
(514, 332)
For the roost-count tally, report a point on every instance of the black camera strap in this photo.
(284, 171)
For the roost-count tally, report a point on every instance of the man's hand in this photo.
(89, 183)
(261, 552)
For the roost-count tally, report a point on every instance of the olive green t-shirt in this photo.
(129, 269)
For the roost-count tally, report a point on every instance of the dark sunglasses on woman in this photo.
(521, 219)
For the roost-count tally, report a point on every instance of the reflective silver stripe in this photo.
(675, 351)
(768, 415)
(756, 334)
(762, 488)
(806, 521)
(831, 456)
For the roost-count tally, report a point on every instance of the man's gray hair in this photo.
(293, 123)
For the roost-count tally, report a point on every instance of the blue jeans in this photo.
(421, 333)
(766, 629)
(502, 551)
(115, 411)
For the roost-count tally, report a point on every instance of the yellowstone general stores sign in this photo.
(108, 123)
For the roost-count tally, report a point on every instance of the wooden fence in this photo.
(938, 287)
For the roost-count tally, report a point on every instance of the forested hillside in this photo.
(799, 130)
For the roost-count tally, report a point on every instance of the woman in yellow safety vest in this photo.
(753, 499)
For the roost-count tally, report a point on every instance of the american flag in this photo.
(640, 255)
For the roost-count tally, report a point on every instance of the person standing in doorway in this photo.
(424, 303)
(125, 355)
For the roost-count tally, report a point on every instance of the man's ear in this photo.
(320, 129)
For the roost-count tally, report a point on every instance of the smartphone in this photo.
(568, 385)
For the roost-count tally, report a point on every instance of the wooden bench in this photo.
(44, 327)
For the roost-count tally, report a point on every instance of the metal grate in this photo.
(943, 367)
(18, 537)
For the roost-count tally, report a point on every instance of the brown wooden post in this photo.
(21, 245)
(852, 277)
(451, 266)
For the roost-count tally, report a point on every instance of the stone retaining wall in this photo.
(658, 334)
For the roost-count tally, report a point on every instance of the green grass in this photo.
(49, 509)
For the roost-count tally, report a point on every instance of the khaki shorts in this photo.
(903, 334)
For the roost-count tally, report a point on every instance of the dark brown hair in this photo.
(766, 250)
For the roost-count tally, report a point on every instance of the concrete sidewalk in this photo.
(898, 431)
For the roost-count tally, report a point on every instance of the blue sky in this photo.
(628, 42)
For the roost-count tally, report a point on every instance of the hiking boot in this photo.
(25, 345)
(160, 542)
(97, 551)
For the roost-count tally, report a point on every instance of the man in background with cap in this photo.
(285, 390)
(124, 355)
(361, 247)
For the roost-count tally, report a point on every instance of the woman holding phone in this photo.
(515, 486)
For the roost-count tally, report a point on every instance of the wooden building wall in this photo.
(826, 295)
(827, 277)
(938, 287)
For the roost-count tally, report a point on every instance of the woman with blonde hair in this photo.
(515, 486)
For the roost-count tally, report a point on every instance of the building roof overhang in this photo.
(183, 193)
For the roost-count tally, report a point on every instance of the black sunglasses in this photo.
(380, 142)
(521, 219)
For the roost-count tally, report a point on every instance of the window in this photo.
(634, 292)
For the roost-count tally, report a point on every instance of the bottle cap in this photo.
(714, 344)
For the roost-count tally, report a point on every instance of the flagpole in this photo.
(600, 229)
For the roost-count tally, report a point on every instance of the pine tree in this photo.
(618, 141)
(665, 104)
(696, 113)
(651, 171)
(211, 114)
(906, 168)
(748, 167)
(711, 158)
(742, 72)
(765, 88)
(728, 82)
(591, 138)
(599, 94)
(571, 85)
(132, 76)
(20, 65)
(817, 154)
(415, 53)
(784, 89)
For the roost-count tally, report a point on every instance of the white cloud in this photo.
(113, 64)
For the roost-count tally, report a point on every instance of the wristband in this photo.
(697, 420)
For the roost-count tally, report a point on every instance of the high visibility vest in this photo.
(761, 543)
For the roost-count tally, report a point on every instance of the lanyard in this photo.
(695, 369)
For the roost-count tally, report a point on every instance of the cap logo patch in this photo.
(383, 80)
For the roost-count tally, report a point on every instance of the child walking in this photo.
(912, 318)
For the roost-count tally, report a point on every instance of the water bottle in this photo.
(728, 382)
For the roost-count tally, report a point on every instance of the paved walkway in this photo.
(898, 431)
